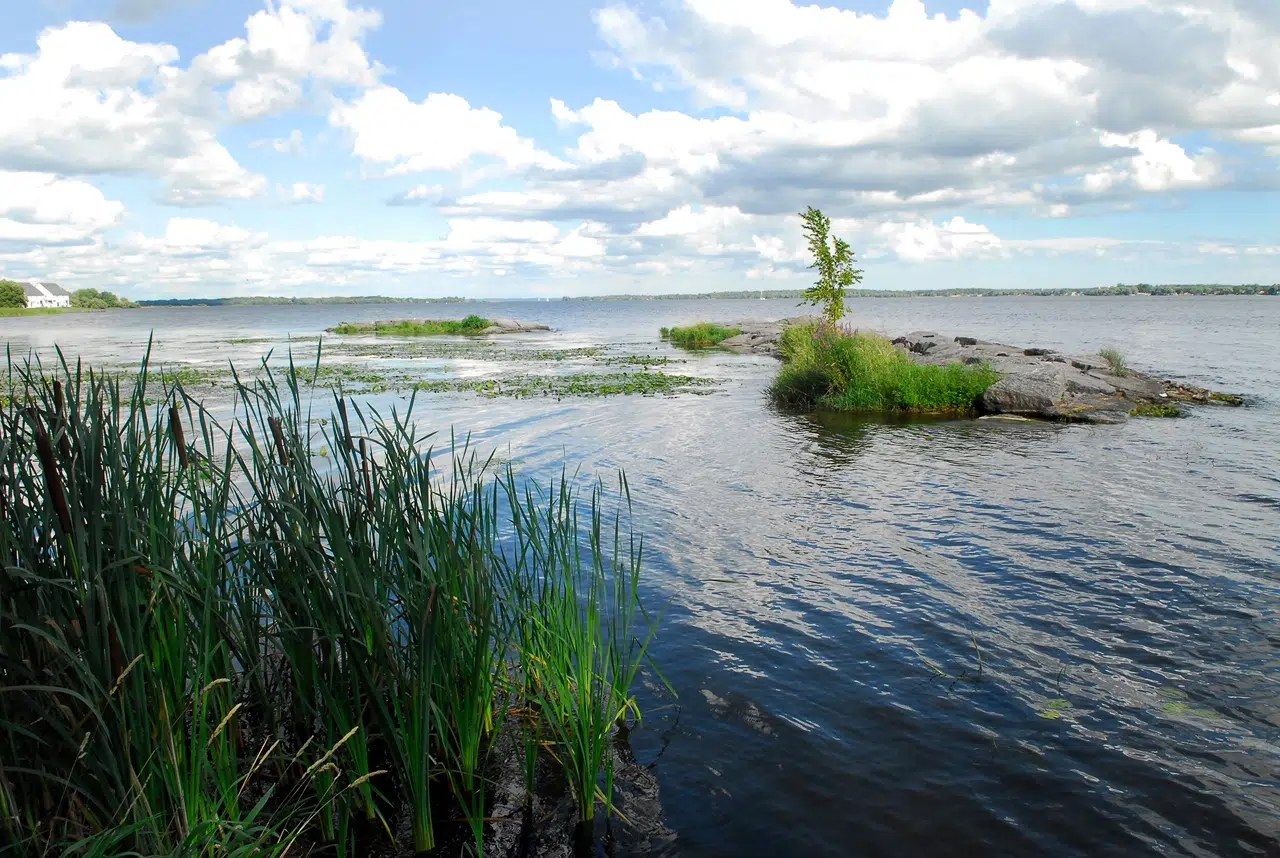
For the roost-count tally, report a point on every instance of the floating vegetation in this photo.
(586, 384)
(646, 361)
(1156, 409)
(245, 341)
(468, 350)
(216, 644)
(1179, 708)
(1055, 708)
(471, 325)
(601, 374)
(700, 336)
(185, 375)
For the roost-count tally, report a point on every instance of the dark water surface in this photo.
(946, 638)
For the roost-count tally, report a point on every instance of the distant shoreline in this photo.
(268, 300)
(1108, 291)
(1119, 290)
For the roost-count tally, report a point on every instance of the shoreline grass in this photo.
(1115, 360)
(217, 643)
(469, 326)
(833, 369)
(699, 336)
(40, 311)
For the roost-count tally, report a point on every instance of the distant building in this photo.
(46, 294)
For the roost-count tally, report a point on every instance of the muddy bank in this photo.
(1038, 383)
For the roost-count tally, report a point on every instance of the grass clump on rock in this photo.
(1156, 409)
(700, 336)
(830, 368)
(216, 643)
(472, 324)
(1115, 360)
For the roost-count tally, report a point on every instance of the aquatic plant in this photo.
(471, 325)
(830, 368)
(215, 644)
(699, 336)
(1115, 360)
(584, 384)
(1156, 409)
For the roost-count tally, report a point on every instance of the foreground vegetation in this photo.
(838, 369)
(34, 311)
(700, 336)
(215, 641)
(471, 325)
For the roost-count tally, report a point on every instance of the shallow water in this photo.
(941, 638)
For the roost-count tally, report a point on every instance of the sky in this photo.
(503, 148)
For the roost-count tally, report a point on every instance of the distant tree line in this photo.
(261, 300)
(1086, 291)
(92, 299)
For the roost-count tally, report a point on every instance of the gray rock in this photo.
(1075, 412)
(920, 342)
(1037, 383)
(1082, 382)
(1089, 362)
(512, 326)
(1138, 387)
(1034, 392)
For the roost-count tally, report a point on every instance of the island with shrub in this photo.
(829, 365)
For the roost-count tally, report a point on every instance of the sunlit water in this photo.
(947, 638)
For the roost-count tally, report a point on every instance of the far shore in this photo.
(1122, 290)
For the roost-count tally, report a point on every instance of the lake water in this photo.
(944, 638)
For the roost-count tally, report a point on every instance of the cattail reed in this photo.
(267, 651)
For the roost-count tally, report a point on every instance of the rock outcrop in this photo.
(760, 338)
(1044, 384)
(1037, 382)
(511, 326)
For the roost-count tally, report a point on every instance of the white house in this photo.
(46, 294)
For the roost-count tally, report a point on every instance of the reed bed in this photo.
(216, 640)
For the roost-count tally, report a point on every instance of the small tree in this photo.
(835, 266)
(12, 294)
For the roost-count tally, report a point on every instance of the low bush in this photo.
(836, 369)
(699, 336)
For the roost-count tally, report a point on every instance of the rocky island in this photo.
(1034, 383)
(472, 325)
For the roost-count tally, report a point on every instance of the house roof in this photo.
(35, 289)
